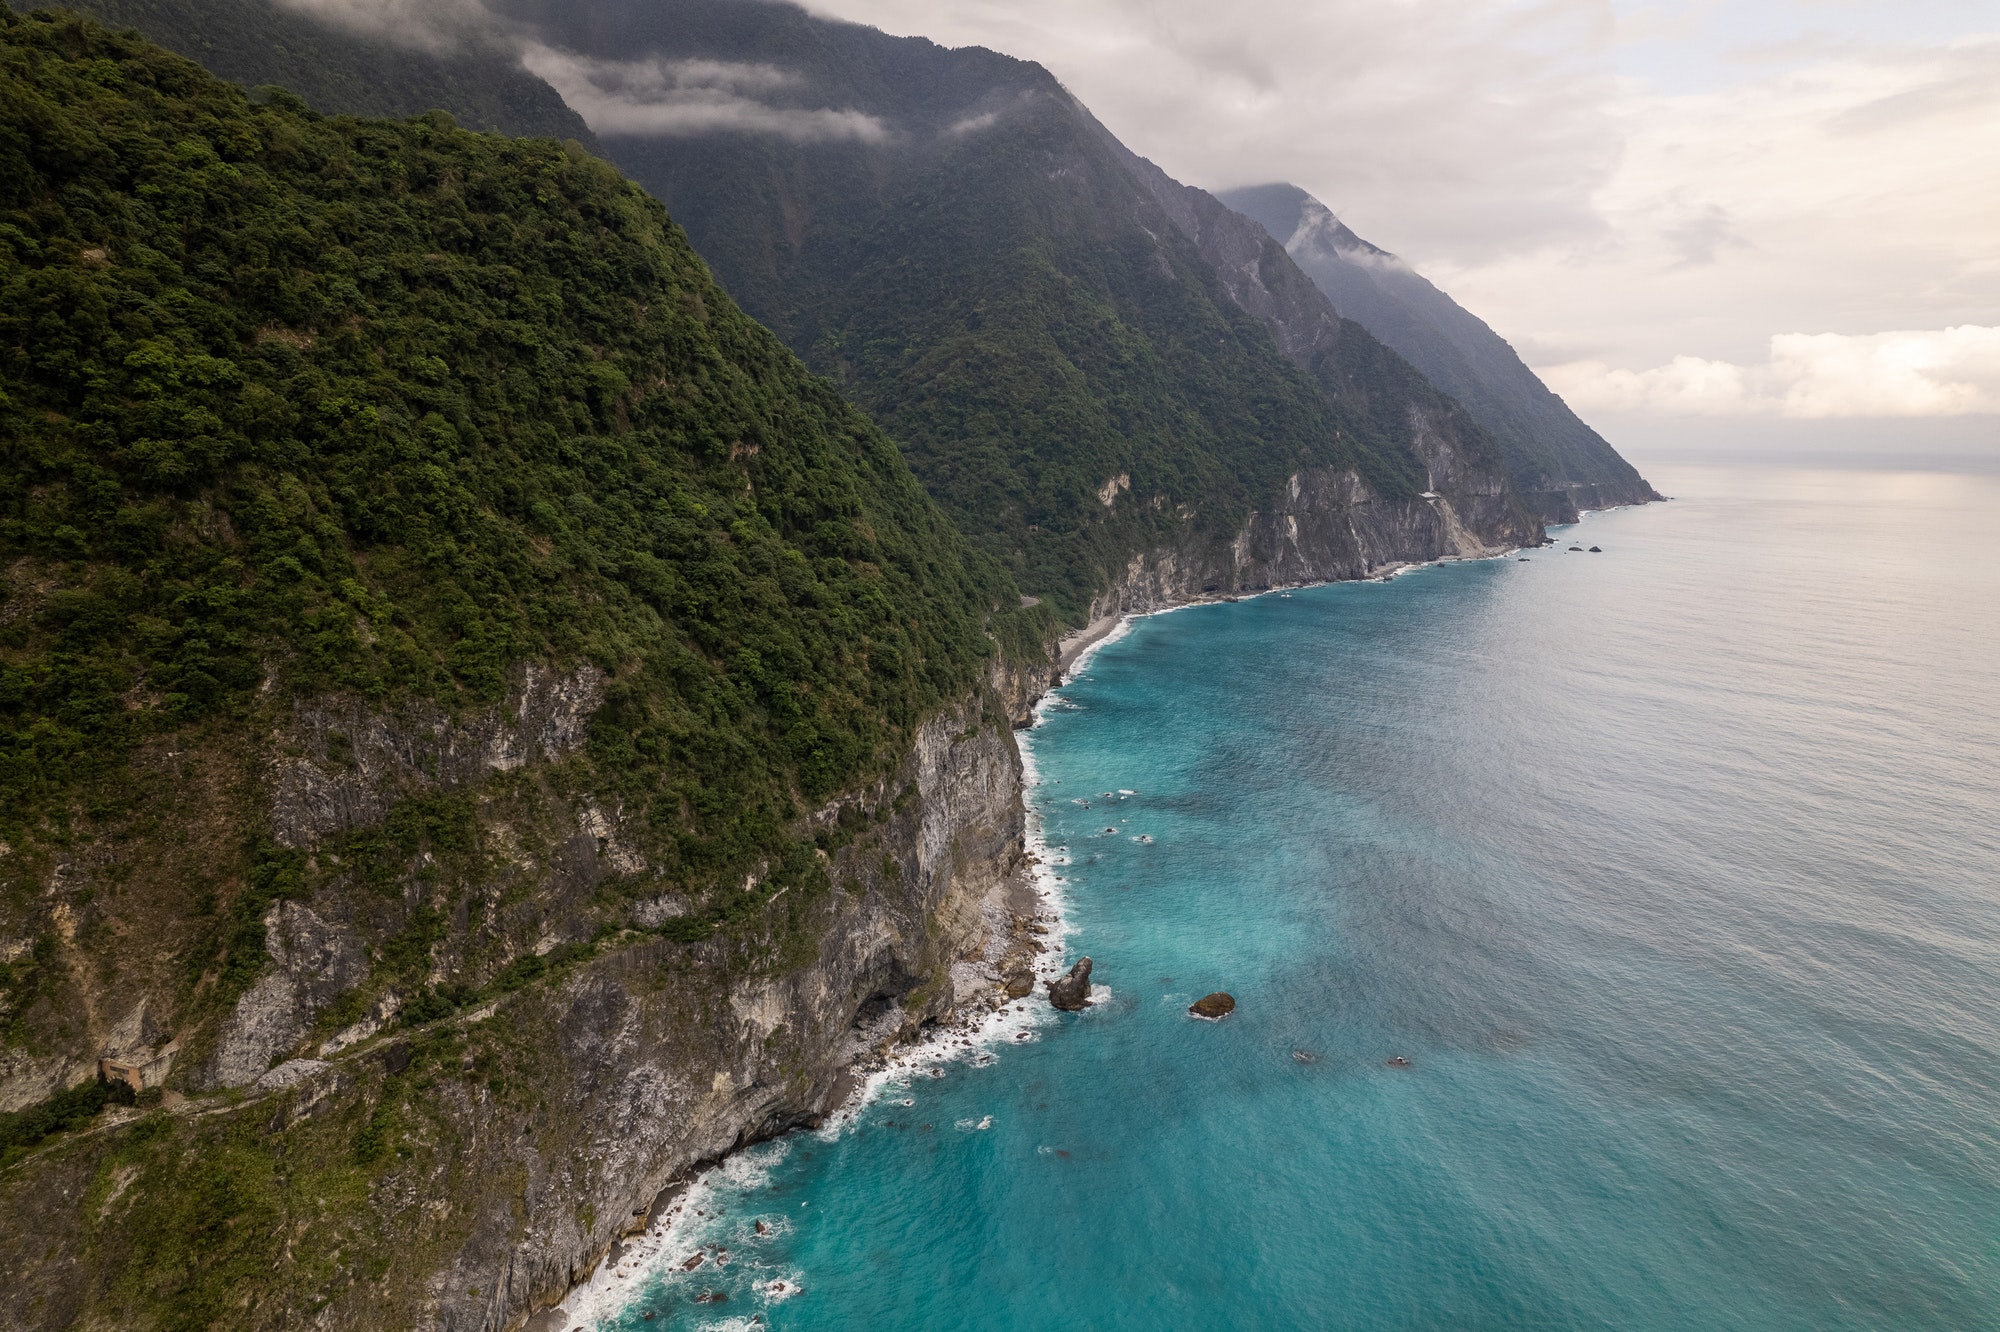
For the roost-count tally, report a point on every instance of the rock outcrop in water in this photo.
(1213, 1007)
(1071, 993)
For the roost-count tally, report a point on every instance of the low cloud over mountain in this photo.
(669, 97)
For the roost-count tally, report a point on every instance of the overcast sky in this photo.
(1762, 210)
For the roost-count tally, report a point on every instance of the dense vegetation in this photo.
(1005, 299)
(991, 283)
(295, 405)
(343, 72)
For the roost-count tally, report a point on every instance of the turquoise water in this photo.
(1673, 871)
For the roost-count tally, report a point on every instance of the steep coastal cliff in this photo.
(483, 730)
(478, 721)
(1327, 527)
(466, 1172)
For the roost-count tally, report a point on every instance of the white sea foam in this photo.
(690, 1226)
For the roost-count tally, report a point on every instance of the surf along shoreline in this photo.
(1029, 907)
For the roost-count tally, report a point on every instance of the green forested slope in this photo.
(989, 281)
(296, 405)
(342, 72)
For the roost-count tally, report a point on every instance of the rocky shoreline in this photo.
(1024, 930)
(1025, 936)
(659, 1061)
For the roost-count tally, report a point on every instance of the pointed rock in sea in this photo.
(1071, 993)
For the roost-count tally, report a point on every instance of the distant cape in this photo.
(1558, 463)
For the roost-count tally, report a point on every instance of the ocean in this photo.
(1671, 872)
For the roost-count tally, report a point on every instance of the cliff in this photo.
(1326, 527)
(1083, 360)
(1558, 463)
(479, 722)
(464, 1173)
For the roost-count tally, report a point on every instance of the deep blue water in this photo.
(1674, 871)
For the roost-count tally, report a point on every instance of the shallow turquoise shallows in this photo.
(1673, 871)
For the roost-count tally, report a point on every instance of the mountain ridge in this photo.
(1557, 461)
(987, 275)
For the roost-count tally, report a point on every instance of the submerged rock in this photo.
(1213, 1006)
(1072, 992)
(1397, 1061)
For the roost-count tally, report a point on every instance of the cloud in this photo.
(973, 124)
(432, 25)
(1700, 236)
(1853, 193)
(1807, 376)
(669, 97)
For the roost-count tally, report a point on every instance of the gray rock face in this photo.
(675, 1054)
(1071, 993)
(1328, 526)
(313, 961)
(355, 762)
(291, 1073)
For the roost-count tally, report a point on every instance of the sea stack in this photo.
(1072, 992)
(1214, 1006)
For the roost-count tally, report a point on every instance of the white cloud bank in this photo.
(1807, 376)
(669, 97)
(428, 25)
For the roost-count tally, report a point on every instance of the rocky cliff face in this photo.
(1329, 526)
(669, 1058)
(524, 1137)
